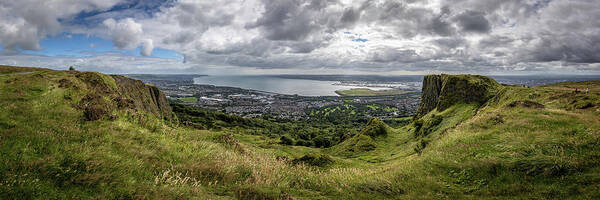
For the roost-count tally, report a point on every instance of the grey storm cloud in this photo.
(285, 20)
(369, 35)
(298, 20)
(399, 55)
(570, 48)
(350, 16)
(473, 21)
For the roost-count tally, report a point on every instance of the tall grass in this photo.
(48, 152)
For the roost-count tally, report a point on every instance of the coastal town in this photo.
(253, 104)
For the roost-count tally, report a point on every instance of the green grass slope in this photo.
(521, 143)
(525, 142)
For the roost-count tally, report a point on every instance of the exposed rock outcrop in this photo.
(108, 93)
(442, 91)
(144, 97)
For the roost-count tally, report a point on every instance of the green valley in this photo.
(87, 135)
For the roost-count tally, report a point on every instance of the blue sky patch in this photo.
(82, 45)
(360, 40)
(132, 9)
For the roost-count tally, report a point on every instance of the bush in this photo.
(425, 126)
(286, 140)
(418, 125)
(420, 146)
(306, 143)
(322, 141)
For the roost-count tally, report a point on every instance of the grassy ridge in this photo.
(500, 149)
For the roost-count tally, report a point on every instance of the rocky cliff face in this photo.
(147, 98)
(442, 91)
(105, 94)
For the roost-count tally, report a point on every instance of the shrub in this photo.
(436, 119)
(418, 125)
(322, 141)
(306, 143)
(286, 140)
(420, 146)
(425, 126)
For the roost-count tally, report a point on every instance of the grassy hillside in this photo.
(521, 143)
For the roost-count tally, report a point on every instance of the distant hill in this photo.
(87, 135)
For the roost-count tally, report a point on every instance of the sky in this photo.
(384, 37)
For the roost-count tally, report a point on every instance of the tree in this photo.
(71, 68)
(322, 141)
(286, 140)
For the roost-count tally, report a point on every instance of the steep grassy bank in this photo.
(515, 143)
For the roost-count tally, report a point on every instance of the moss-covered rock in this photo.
(442, 91)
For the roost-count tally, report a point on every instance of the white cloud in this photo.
(453, 35)
(147, 46)
(125, 33)
(25, 22)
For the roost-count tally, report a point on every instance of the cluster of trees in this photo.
(353, 113)
(313, 133)
(326, 127)
(356, 115)
(317, 138)
(213, 120)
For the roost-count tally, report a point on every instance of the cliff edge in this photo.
(145, 97)
(95, 95)
(442, 91)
